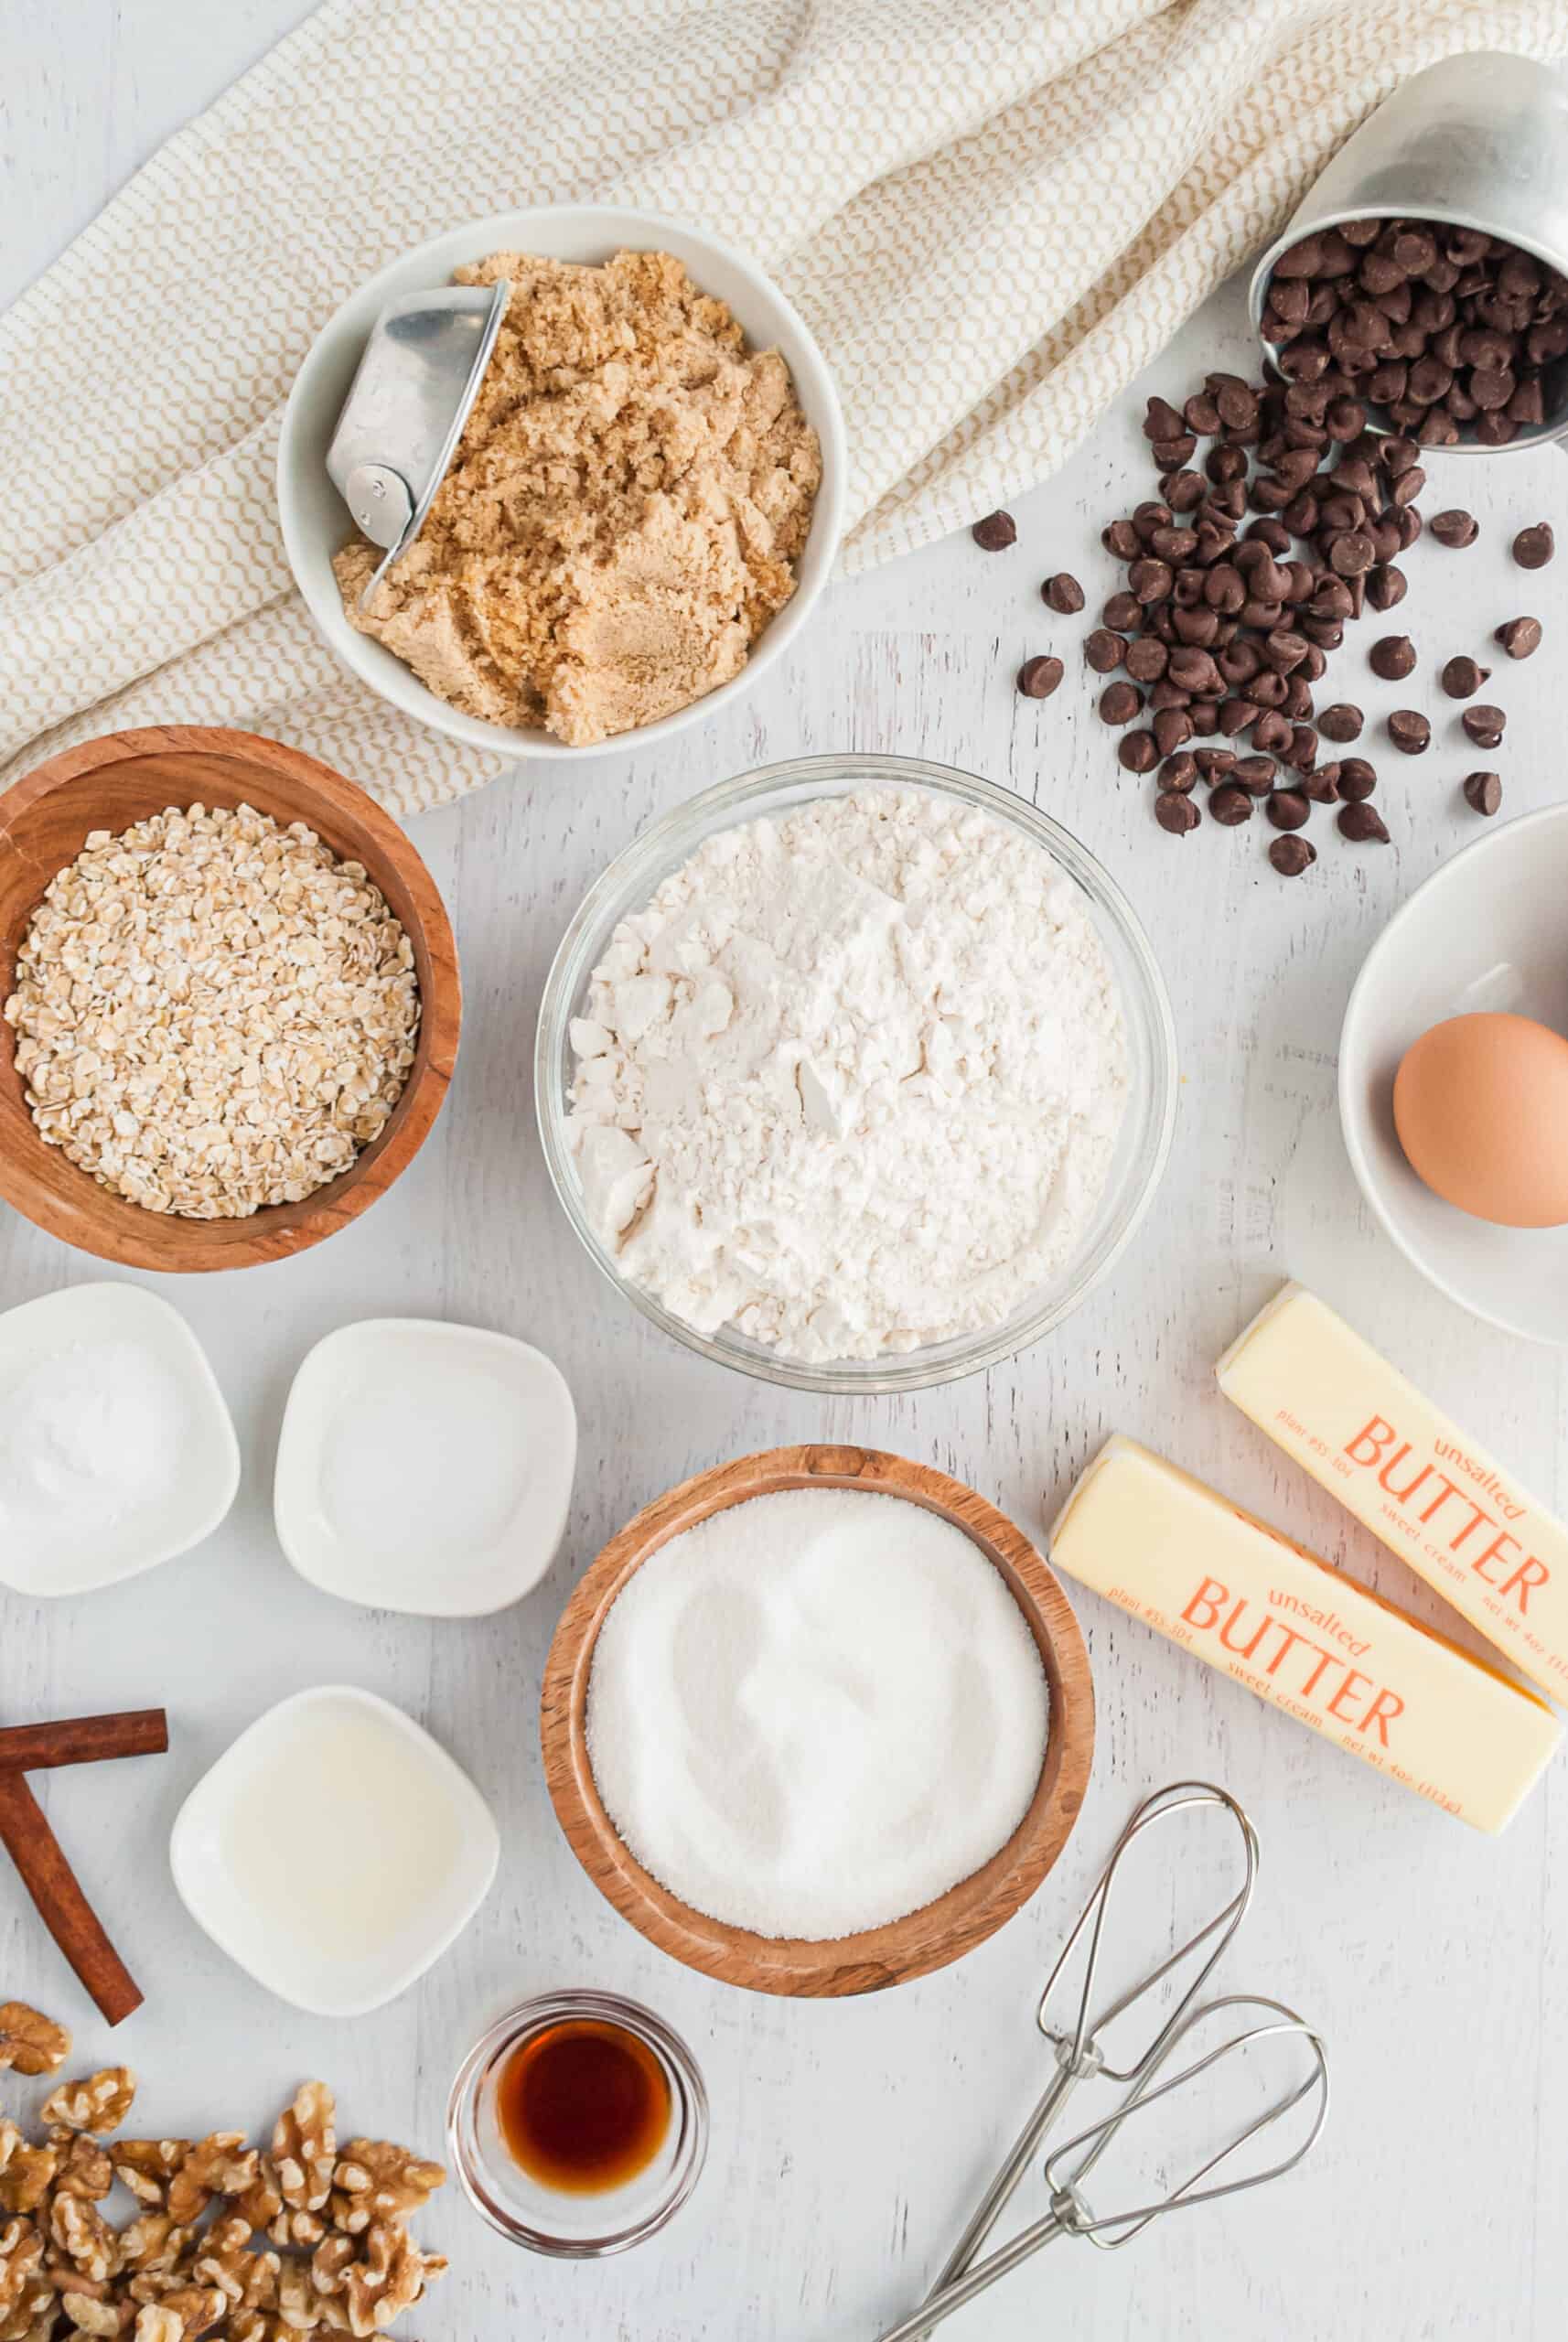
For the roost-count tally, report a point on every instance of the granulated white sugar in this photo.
(815, 1711)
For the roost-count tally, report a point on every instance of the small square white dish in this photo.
(425, 1467)
(333, 1851)
(116, 1449)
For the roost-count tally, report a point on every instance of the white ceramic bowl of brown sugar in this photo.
(315, 523)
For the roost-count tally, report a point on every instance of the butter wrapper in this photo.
(1435, 1496)
(1302, 1636)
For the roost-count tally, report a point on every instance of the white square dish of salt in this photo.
(116, 1449)
(425, 1467)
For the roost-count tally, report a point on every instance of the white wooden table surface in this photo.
(848, 2138)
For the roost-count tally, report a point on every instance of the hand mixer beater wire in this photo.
(1066, 2169)
(1079, 2050)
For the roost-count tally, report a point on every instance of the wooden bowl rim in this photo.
(278, 1230)
(921, 1940)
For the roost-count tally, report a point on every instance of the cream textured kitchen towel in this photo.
(993, 213)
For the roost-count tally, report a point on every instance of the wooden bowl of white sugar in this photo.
(754, 1721)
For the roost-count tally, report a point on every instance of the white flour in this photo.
(853, 1081)
(816, 1711)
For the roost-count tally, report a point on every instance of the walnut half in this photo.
(31, 2043)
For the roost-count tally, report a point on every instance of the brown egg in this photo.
(1481, 1108)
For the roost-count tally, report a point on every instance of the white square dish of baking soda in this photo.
(333, 1851)
(425, 1467)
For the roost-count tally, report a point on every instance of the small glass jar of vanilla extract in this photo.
(578, 2124)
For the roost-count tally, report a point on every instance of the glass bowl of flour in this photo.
(856, 1073)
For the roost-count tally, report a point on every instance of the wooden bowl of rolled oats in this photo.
(229, 999)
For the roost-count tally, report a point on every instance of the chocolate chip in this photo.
(1483, 791)
(1322, 785)
(1119, 703)
(1352, 554)
(1121, 538)
(1256, 775)
(1485, 724)
(1172, 726)
(1138, 751)
(1230, 805)
(1180, 773)
(1461, 678)
(996, 532)
(1518, 637)
(1146, 659)
(1454, 528)
(1356, 778)
(1291, 857)
(1062, 592)
(1341, 722)
(1176, 813)
(1103, 651)
(1410, 731)
(1534, 547)
(1288, 809)
(1385, 585)
(1214, 763)
(1362, 824)
(1393, 657)
(1122, 612)
(1037, 678)
(1161, 421)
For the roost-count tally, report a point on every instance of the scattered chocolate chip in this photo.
(1410, 731)
(1534, 547)
(1287, 809)
(1357, 779)
(1230, 805)
(1176, 813)
(1213, 763)
(1322, 784)
(1454, 528)
(1122, 612)
(1037, 678)
(1146, 659)
(1362, 824)
(1103, 651)
(1119, 703)
(1256, 775)
(1172, 726)
(1386, 585)
(1341, 722)
(1180, 773)
(996, 532)
(1461, 678)
(1393, 657)
(1518, 637)
(1483, 791)
(1138, 751)
(1062, 592)
(1485, 724)
(1291, 857)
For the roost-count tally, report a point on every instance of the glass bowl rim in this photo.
(526, 2018)
(638, 867)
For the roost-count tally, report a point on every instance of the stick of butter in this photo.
(1235, 1592)
(1408, 1475)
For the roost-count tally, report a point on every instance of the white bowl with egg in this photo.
(315, 523)
(116, 1449)
(1487, 932)
(425, 1467)
(333, 1851)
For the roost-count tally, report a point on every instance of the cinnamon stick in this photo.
(84, 1740)
(63, 1907)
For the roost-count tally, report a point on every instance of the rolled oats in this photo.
(213, 1013)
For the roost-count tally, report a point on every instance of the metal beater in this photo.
(1070, 2215)
(1080, 2051)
